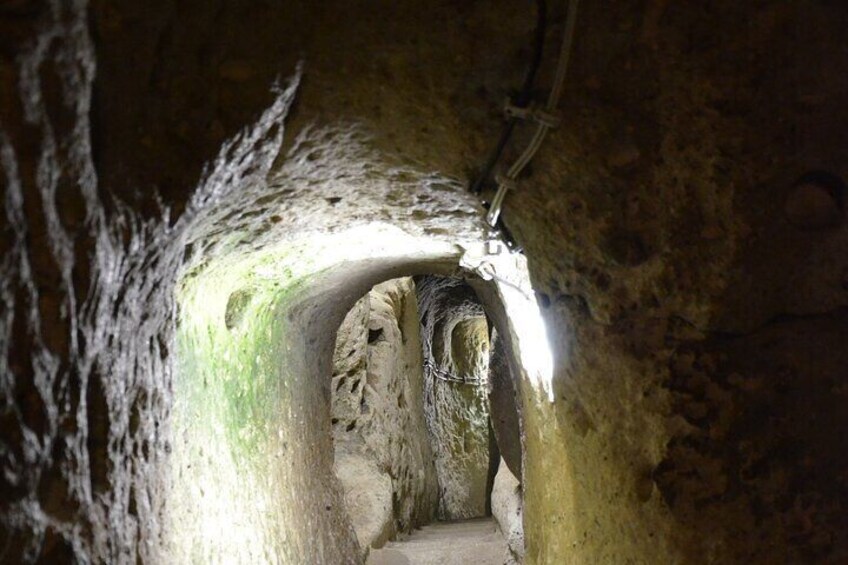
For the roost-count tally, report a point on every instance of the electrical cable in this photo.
(451, 378)
(509, 180)
(522, 99)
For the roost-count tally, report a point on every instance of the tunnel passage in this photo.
(408, 452)
(190, 418)
(255, 420)
(194, 398)
(455, 336)
(699, 325)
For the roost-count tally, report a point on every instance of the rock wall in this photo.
(456, 352)
(383, 455)
(503, 406)
(659, 230)
(508, 510)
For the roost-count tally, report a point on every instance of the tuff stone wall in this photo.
(659, 228)
(382, 447)
(508, 510)
(503, 405)
(455, 336)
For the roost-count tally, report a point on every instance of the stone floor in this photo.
(475, 541)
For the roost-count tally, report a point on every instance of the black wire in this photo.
(521, 100)
(526, 93)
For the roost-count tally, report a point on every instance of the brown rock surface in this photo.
(382, 446)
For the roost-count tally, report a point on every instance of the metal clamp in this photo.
(532, 112)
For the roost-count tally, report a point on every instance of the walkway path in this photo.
(475, 541)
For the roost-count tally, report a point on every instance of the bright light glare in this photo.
(493, 261)
(532, 336)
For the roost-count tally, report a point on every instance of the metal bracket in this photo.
(534, 113)
(494, 247)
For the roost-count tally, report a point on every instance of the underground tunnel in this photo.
(421, 281)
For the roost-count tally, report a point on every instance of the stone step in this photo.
(476, 541)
